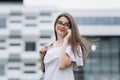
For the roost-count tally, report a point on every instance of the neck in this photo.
(60, 39)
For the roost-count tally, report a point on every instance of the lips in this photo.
(61, 29)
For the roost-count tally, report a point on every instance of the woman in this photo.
(69, 48)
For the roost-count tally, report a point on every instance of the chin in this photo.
(61, 33)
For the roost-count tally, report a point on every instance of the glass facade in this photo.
(103, 62)
(98, 20)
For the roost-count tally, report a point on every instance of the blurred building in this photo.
(24, 29)
(101, 27)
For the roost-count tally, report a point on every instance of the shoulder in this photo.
(78, 47)
(47, 45)
(78, 50)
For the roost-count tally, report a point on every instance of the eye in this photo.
(59, 22)
(67, 24)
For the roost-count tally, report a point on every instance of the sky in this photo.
(76, 4)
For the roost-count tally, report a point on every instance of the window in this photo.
(30, 25)
(45, 14)
(2, 44)
(2, 41)
(14, 68)
(30, 64)
(14, 36)
(16, 21)
(29, 72)
(15, 13)
(30, 46)
(2, 48)
(45, 36)
(31, 17)
(14, 58)
(45, 21)
(15, 44)
(2, 73)
(2, 23)
(98, 20)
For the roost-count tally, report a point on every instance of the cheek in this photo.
(56, 28)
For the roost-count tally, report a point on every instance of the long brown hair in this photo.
(76, 39)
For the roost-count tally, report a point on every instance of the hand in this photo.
(42, 51)
(67, 37)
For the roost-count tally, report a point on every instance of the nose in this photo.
(63, 26)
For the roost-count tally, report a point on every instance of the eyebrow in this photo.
(64, 23)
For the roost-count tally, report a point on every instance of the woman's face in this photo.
(62, 25)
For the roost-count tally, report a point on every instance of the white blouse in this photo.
(51, 61)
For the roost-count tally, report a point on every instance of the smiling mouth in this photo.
(62, 30)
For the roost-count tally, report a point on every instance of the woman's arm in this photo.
(64, 60)
(42, 53)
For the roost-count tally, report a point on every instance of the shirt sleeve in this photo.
(78, 59)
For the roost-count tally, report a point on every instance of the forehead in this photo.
(63, 19)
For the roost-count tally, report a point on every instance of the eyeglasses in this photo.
(60, 23)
